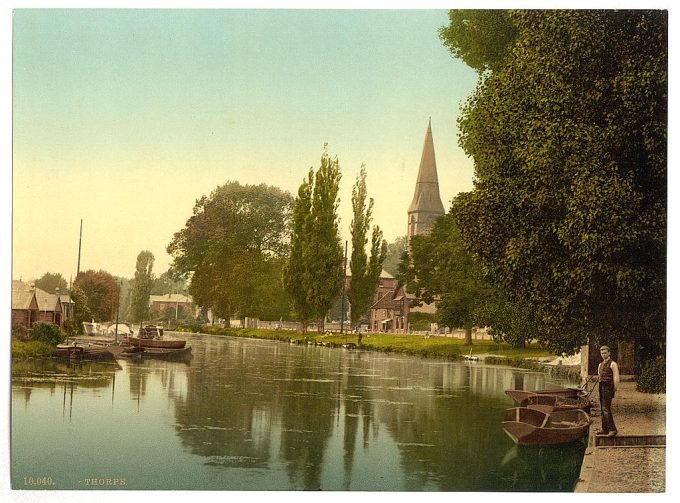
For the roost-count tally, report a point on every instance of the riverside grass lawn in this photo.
(417, 345)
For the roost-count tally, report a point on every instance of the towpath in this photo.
(635, 460)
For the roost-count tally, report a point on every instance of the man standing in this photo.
(608, 377)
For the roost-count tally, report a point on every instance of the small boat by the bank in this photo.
(550, 403)
(519, 395)
(533, 427)
(80, 352)
(156, 343)
(471, 358)
(69, 351)
(151, 332)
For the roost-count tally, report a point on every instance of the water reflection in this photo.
(250, 414)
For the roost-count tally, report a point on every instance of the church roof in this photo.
(426, 198)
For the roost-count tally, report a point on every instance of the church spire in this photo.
(427, 205)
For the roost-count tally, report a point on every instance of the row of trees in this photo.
(567, 129)
(254, 251)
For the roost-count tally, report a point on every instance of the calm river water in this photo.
(249, 414)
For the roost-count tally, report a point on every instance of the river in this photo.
(247, 414)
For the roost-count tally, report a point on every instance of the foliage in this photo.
(483, 39)
(32, 349)
(365, 271)
(568, 137)
(313, 273)
(395, 250)
(233, 247)
(81, 310)
(49, 333)
(653, 376)
(296, 271)
(141, 289)
(169, 282)
(20, 333)
(440, 270)
(49, 282)
(102, 292)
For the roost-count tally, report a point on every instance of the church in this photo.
(390, 312)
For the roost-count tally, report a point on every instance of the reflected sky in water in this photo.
(246, 414)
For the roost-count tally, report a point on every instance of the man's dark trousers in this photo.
(606, 396)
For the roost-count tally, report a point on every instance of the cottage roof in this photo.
(383, 273)
(392, 299)
(426, 198)
(23, 293)
(171, 297)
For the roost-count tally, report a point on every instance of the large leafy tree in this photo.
(168, 282)
(141, 287)
(50, 282)
(568, 137)
(313, 273)
(101, 290)
(439, 269)
(233, 247)
(365, 271)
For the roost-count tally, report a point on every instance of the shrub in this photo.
(20, 333)
(653, 376)
(33, 349)
(47, 332)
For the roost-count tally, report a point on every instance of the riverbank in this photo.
(634, 461)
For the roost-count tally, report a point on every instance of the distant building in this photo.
(31, 305)
(389, 313)
(174, 301)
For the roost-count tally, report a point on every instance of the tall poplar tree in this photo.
(324, 253)
(365, 271)
(295, 272)
(313, 273)
(143, 282)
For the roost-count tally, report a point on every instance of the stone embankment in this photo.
(635, 460)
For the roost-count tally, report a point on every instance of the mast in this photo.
(80, 242)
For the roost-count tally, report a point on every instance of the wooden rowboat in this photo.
(550, 403)
(156, 343)
(533, 427)
(519, 395)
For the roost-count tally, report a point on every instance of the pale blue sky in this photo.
(125, 117)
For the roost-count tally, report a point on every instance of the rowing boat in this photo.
(519, 395)
(534, 427)
(550, 403)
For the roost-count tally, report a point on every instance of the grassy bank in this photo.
(415, 345)
(32, 349)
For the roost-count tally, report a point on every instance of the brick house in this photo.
(176, 302)
(390, 312)
(31, 305)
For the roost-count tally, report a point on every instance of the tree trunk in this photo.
(468, 336)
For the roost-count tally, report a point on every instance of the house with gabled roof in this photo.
(31, 305)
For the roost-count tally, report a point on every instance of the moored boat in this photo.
(550, 403)
(534, 427)
(519, 395)
(156, 343)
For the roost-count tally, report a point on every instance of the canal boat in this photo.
(156, 343)
(527, 426)
(550, 403)
(69, 351)
(519, 395)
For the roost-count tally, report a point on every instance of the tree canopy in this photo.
(365, 270)
(101, 292)
(568, 138)
(232, 248)
(313, 273)
(141, 287)
(49, 282)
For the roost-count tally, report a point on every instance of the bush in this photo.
(33, 349)
(653, 376)
(20, 333)
(48, 333)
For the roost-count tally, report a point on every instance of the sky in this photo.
(123, 118)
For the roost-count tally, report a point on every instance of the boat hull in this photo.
(550, 403)
(156, 343)
(519, 395)
(533, 427)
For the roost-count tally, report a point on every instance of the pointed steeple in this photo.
(427, 205)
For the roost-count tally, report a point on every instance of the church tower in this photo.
(427, 205)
